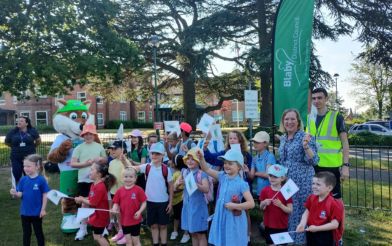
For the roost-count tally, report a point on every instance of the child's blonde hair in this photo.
(129, 170)
(37, 159)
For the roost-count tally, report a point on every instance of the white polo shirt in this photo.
(156, 190)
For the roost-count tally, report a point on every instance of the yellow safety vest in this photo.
(327, 137)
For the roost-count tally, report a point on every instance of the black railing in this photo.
(369, 185)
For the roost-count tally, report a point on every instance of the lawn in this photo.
(363, 227)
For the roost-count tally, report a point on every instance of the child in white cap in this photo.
(229, 224)
(276, 208)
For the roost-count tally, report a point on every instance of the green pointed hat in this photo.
(73, 105)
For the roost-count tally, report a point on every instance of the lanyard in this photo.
(22, 136)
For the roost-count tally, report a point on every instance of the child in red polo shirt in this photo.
(130, 201)
(98, 198)
(276, 210)
(323, 215)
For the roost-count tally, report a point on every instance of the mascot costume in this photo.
(68, 122)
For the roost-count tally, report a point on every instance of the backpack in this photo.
(165, 173)
(209, 196)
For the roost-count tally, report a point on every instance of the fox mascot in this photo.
(68, 121)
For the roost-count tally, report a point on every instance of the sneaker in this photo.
(173, 235)
(118, 236)
(122, 241)
(82, 232)
(185, 238)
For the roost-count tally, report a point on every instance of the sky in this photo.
(337, 57)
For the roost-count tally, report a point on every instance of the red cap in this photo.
(185, 127)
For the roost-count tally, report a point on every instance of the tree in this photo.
(375, 82)
(50, 45)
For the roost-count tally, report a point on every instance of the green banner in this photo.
(292, 47)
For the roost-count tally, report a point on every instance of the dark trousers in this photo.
(17, 168)
(36, 221)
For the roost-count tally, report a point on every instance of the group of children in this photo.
(170, 189)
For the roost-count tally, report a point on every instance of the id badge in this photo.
(22, 144)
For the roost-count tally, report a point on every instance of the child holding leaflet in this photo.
(32, 189)
(98, 198)
(130, 201)
(159, 191)
(195, 210)
(323, 215)
(276, 208)
(229, 224)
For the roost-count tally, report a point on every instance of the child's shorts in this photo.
(97, 230)
(177, 209)
(269, 231)
(134, 230)
(320, 238)
(156, 213)
(84, 189)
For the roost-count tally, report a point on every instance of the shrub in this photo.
(368, 138)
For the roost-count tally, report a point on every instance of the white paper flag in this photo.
(216, 132)
(236, 147)
(205, 122)
(173, 126)
(84, 213)
(55, 196)
(281, 238)
(190, 183)
(289, 189)
(120, 132)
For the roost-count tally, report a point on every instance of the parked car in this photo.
(384, 123)
(373, 128)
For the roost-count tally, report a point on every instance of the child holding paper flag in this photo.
(98, 199)
(323, 215)
(276, 207)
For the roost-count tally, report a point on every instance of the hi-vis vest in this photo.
(327, 137)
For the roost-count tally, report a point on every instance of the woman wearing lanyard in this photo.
(22, 139)
(298, 153)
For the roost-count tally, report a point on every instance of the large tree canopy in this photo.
(47, 46)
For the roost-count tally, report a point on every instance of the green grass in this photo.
(363, 227)
(365, 194)
(375, 164)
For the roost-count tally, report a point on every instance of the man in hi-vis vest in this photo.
(330, 132)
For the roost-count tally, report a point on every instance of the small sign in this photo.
(158, 125)
(281, 238)
(251, 104)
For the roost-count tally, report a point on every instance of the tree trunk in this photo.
(265, 75)
(380, 107)
(189, 98)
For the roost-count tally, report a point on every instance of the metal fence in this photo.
(369, 185)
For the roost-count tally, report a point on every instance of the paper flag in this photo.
(216, 132)
(13, 182)
(120, 132)
(55, 196)
(289, 189)
(236, 147)
(281, 238)
(84, 213)
(190, 183)
(205, 122)
(173, 126)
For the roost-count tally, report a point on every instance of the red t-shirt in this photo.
(98, 198)
(129, 201)
(323, 212)
(274, 217)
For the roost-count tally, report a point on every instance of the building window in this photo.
(41, 118)
(99, 100)
(123, 115)
(141, 116)
(237, 116)
(150, 116)
(2, 99)
(81, 96)
(100, 120)
(25, 114)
